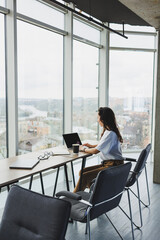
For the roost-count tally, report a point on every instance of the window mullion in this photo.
(68, 75)
(11, 77)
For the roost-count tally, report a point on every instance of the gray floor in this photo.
(101, 228)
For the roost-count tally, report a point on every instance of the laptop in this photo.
(71, 138)
(24, 164)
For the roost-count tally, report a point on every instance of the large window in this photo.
(40, 88)
(2, 3)
(130, 95)
(131, 82)
(2, 91)
(42, 12)
(85, 31)
(85, 93)
(133, 41)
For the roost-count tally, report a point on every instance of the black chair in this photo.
(29, 215)
(134, 176)
(104, 196)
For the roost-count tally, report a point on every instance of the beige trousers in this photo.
(89, 173)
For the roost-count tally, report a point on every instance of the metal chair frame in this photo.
(92, 206)
(138, 190)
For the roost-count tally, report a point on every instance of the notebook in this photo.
(71, 138)
(24, 164)
(60, 151)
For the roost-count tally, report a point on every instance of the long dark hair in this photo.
(108, 119)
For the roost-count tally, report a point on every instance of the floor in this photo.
(101, 227)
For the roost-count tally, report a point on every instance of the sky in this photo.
(40, 60)
(131, 74)
(40, 67)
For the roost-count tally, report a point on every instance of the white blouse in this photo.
(109, 146)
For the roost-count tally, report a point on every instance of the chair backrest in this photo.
(29, 215)
(109, 184)
(141, 162)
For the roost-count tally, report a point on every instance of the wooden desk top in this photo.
(8, 175)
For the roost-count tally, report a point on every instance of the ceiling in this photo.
(111, 11)
(149, 10)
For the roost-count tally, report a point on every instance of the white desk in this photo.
(9, 176)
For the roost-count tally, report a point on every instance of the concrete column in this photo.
(156, 154)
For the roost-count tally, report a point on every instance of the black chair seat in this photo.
(78, 210)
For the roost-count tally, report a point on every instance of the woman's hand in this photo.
(81, 148)
(88, 150)
(89, 145)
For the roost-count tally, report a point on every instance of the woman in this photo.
(109, 147)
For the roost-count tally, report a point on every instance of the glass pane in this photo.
(132, 28)
(3, 149)
(85, 31)
(2, 3)
(41, 12)
(40, 88)
(85, 93)
(130, 95)
(133, 41)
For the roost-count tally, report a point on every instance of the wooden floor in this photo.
(101, 227)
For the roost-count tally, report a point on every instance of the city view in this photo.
(40, 122)
(134, 120)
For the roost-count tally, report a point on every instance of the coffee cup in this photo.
(75, 148)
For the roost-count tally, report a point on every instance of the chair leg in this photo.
(148, 195)
(128, 189)
(147, 188)
(130, 211)
(128, 217)
(139, 203)
(137, 197)
(86, 228)
(114, 226)
(88, 225)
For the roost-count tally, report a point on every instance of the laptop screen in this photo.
(71, 138)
